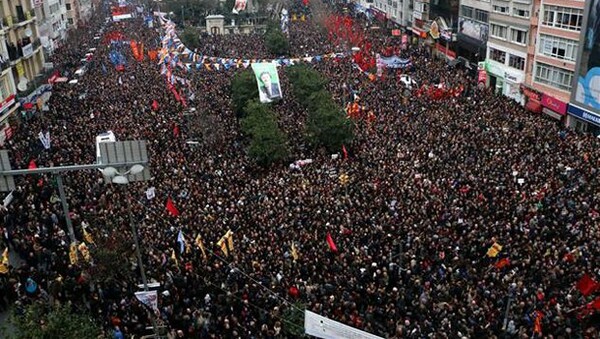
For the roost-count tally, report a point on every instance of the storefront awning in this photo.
(533, 106)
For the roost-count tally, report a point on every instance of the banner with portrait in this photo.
(267, 79)
(240, 5)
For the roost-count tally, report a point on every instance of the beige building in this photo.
(21, 47)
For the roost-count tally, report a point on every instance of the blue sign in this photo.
(584, 115)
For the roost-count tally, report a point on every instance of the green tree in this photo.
(268, 144)
(40, 321)
(190, 37)
(293, 320)
(276, 41)
(328, 127)
(243, 89)
(306, 81)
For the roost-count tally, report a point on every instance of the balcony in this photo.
(19, 20)
(4, 64)
(24, 48)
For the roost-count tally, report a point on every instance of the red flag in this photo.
(537, 325)
(345, 152)
(175, 130)
(331, 243)
(502, 263)
(171, 207)
(154, 105)
(32, 164)
(586, 285)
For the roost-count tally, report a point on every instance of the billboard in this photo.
(267, 79)
(473, 29)
(586, 87)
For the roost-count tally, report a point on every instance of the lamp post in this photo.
(119, 178)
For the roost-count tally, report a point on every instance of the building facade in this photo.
(52, 23)
(398, 12)
(473, 29)
(584, 106)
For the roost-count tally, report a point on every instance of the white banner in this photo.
(326, 328)
(45, 139)
(148, 298)
(150, 193)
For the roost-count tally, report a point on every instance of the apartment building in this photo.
(420, 18)
(52, 23)
(473, 29)
(8, 90)
(397, 11)
(22, 46)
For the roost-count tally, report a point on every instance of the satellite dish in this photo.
(22, 85)
(28, 32)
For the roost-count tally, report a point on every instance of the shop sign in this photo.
(554, 104)
(6, 103)
(584, 115)
(531, 93)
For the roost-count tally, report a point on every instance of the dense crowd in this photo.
(432, 185)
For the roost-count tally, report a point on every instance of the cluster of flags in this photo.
(493, 252)
(439, 92)
(137, 49)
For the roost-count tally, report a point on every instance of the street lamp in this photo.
(116, 177)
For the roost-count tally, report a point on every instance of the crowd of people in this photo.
(432, 185)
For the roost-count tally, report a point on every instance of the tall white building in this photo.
(507, 46)
(52, 23)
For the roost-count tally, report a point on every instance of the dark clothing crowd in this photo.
(433, 183)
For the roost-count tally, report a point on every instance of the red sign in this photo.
(554, 104)
(450, 53)
(531, 93)
(482, 76)
(396, 32)
(7, 102)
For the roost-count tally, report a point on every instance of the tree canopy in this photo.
(268, 144)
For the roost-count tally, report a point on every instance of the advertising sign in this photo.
(587, 86)
(554, 104)
(473, 29)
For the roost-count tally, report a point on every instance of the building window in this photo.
(553, 76)
(521, 13)
(503, 9)
(466, 11)
(497, 55)
(481, 15)
(70, 21)
(68, 7)
(559, 48)
(516, 61)
(498, 31)
(518, 36)
(563, 17)
(4, 92)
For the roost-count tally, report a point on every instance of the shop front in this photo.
(583, 120)
(533, 99)
(378, 14)
(553, 107)
(505, 80)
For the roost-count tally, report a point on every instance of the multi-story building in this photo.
(399, 12)
(473, 29)
(78, 12)
(22, 43)
(507, 46)
(8, 90)
(52, 23)
(420, 18)
(584, 107)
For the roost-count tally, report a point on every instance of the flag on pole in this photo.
(345, 151)
(174, 258)
(5, 262)
(88, 237)
(83, 249)
(229, 236)
(200, 244)
(586, 285)
(223, 245)
(180, 241)
(32, 165)
(154, 105)
(331, 244)
(171, 208)
(73, 254)
(502, 263)
(294, 252)
(493, 251)
(537, 325)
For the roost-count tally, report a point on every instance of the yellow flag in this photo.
(88, 237)
(73, 254)
(200, 244)
(83, 249)
(5, 264)
(229, 236)
(494, 250)
(223, 245)
(174, 258)
(294, 252)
